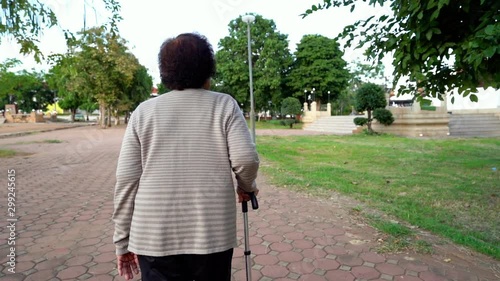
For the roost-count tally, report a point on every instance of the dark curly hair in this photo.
(186, 61)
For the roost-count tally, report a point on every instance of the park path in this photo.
(64, 201)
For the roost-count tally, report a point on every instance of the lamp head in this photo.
(248, 18)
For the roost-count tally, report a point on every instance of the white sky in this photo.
(147, 23)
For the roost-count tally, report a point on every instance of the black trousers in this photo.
(210, 267)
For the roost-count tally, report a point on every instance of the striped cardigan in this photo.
(174, 190)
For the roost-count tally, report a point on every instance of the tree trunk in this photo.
(102, 115)
(117, 118)
(127, 116)
(369, 121)
(108, 123)
(73, 113)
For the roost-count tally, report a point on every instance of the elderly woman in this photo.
(175, 207)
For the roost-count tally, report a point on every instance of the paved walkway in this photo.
(64, 203)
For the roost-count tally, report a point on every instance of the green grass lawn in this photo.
(445, 186)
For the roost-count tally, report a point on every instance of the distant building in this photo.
(154, 93)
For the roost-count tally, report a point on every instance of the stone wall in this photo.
(414, 122)
(24, 118)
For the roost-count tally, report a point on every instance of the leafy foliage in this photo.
(360, 72)
(271, 60)
(60, 78)
(100, 68)
(25, 20)
(27, 89)
(360, 121)
(439, 44)
(291, 106)
(318, 64)
(383, 116)
(368, 98)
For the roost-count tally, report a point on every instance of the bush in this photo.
(428, 107)
(383, 116)
(289, 122)
(291, 106)
(360, 121)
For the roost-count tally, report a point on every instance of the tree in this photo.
(60, 78)
(271, 59)
(369, 97)
(359, 73)
(290, 106)
(438, 44)
(105, 69)
(138, 91)
(162, 89)
(25, 20)
(318, 64)
(27, 89)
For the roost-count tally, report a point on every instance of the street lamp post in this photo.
(328, 96)
(250, 19)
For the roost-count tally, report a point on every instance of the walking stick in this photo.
(244, 206)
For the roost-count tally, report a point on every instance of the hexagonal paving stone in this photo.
(335, 250)
(273, 238)
(303, 244)
(301, 267)
(266, 260)
(339, 275)
(71, 272)
(430, 276)
(241, 275)
(349, 260)
(40, 275)
(389, 269)
(294, 235)
(326, 264)
(105, 257)
(334, 231)
(314, 253)
(281, 247)
(365, 273)
(274, 271)
(290, 256)
(372, 257)
(102, 268)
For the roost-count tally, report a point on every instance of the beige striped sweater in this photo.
(174, 190)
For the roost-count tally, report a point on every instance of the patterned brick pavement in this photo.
(64, 203)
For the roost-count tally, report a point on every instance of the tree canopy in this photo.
(271, 59)
(27, 89)
(25, 20)
(318, 64)
(369, 97)
(99, 67)
(438, 44)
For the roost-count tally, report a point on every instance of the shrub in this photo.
(360, 121)
(290, 106)
(383, 116)
(368, 98)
